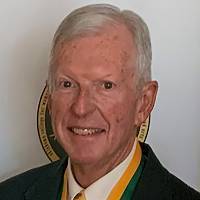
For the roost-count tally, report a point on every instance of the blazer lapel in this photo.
(47, 187)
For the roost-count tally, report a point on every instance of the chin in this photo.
(85, 159)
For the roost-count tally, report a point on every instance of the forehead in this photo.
(113, 45)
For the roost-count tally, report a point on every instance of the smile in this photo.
(86, 131)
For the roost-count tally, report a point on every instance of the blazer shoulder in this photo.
(16, 186)
(157, 182)
(180, 190)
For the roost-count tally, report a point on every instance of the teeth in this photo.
(86, 131)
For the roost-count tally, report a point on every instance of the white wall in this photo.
(26, 30)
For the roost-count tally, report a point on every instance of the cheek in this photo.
(121, 114)
(122, 117)
(59, 108)
(118, 115)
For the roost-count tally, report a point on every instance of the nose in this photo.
(83, 104)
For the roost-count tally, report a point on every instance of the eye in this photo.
(67, 84)
(107, 85)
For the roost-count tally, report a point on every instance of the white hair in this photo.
(91, 19)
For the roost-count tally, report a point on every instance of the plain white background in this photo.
(26, 30)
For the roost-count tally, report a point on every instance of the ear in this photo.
(145, 102)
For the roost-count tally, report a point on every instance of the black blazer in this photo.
(44, 183)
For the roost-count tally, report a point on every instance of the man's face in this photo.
(93, 103)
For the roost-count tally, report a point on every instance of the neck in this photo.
(86, 174)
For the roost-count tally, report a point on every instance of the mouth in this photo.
(82, 131)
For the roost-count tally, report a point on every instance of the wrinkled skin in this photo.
(95, 87)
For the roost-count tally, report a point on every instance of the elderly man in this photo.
(100, 92)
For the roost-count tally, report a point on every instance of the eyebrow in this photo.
(107, 75)
(64, 76)
(68, 76)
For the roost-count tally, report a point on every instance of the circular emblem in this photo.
(47, 138)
